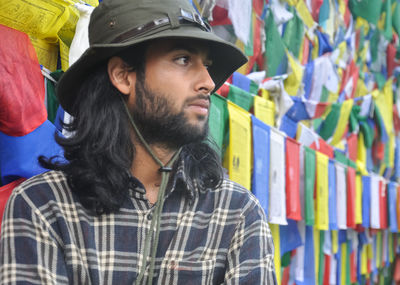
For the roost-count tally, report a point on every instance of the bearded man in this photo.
(141, 198)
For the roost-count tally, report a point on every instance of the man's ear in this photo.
(120, 75)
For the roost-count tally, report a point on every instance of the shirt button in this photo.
(149, 216)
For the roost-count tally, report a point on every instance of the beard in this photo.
(159, 123)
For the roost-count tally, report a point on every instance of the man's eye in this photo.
(183, 60)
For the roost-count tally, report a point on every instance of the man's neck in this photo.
(146, 169)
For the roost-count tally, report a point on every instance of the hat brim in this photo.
(225, 56)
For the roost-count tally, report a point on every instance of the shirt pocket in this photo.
(186, 272)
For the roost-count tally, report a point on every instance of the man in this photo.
(141, 198)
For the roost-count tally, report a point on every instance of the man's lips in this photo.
(200, 106)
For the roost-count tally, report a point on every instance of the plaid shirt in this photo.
(206, 236)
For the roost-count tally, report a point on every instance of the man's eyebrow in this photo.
(189, 48)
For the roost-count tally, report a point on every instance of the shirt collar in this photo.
(179, 181)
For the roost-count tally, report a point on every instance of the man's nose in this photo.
(205, 83)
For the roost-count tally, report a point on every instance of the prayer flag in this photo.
(370, 10)
(239, 145)
(366, 201)
(276, 61)
(261, 160)
(240, 97)
(392, 200)
(218, 121)
(277, 201)
(383, 204)
(290, 236)
(293, 208)
(293, 81)
(332, 196)
(19, 155)
(264, 110)
(322, 193)
(22, 89)
(277, 251)
(341, 197)
(309, 184)
(351, 197)
(358, 202)
(375, 216)
(343, 121)
(5, 192)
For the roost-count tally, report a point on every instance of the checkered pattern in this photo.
(206, 236)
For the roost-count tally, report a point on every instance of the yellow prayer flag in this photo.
(343, 121)
(358, 206)
(361, 89)
(342, 51)
(384, 101)
(379, 249)
(322, 199)
(335, 241)
(46, 52)
(361, 150)
(38, 18)
(390, 245)
(316, 251)
(304, 14)
(264, 93)
(343, 258)
(315, 50)
(362, 23)
(391, 149)
(264, 110)
(240, 145)
(293, 81)
(364, 260)
(277, 251)
(342, 7)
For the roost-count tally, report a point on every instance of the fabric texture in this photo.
(206, 236)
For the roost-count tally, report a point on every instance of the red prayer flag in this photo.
(5, 192)
(21, 85)
(323, 147)
(293, 207)
(383, 219)
(351, 197)
(352, 144)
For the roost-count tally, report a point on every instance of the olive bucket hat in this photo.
(116, 25)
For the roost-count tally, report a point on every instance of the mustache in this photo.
(198, 97)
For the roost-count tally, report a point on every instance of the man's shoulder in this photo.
(42, 188)
(236, 195)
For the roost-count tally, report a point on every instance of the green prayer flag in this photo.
(240, 97)
(52, 100)
(396, 18)
(293, 36)
(329, 125)
(340, 157)
(285, 259)
(369, 10)
(321, 265)
(373, 46)
(218, 121)
(387, 9)
(309, 184)
(249, 47)
(253, 87)
(274, 48)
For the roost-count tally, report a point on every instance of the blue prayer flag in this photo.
(261, 140)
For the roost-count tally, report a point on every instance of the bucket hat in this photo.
(116, 25)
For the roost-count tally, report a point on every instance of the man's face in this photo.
(172, 95)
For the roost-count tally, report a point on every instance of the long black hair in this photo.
(100, 152)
